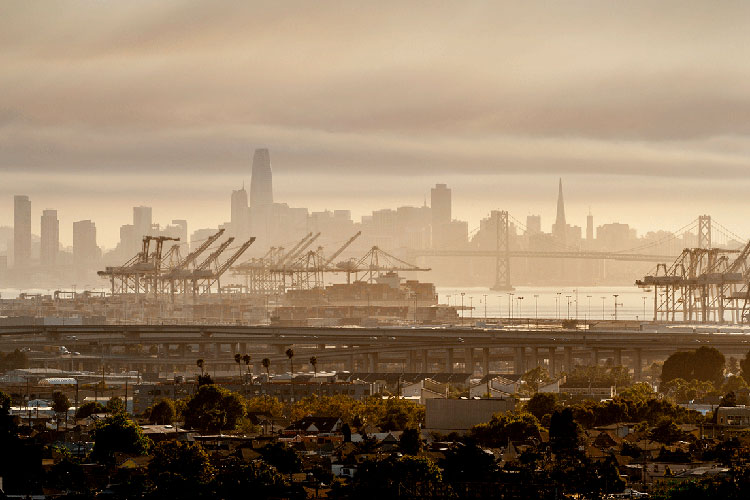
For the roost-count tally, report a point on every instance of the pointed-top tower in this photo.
(560, 227)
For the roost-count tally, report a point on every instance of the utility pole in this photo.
(603, 299)
(536, 310)
(510, 305)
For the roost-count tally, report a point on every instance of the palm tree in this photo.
(290, 355)
(200, 364)
(238, 360)
(314, 363)
(246, 358)
(267, 365)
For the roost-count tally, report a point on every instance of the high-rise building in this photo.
(240, 213)
(533, 224)
(261, 182)
(440, 202)
(589, 227)
(50, 244)
(142, 221)
(559, 229)
(21, 231)
(85, 251)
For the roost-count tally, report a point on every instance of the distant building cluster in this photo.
(30, 260)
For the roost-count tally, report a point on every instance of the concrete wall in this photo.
(460, 415)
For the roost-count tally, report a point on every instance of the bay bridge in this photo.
(502, 253)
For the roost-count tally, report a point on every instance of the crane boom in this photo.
(288, 255)
(301, 249)
(214, 255)
(343, 247)
(192, 256)
(231, 260)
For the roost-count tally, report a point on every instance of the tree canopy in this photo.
(704, 364)
(118, 433)
(213, 409)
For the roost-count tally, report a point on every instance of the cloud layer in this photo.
(143, 100)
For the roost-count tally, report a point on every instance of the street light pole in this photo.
(485, 308)
(462, 308)
(536, 310)
(603, 299)
(510, 304)
(568, 297)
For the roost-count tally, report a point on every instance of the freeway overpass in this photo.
(170, 348)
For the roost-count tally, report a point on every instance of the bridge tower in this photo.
(502, 257)
(704, 231)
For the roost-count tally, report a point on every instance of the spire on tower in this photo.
(560, 220)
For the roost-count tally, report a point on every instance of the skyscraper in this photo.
(50, 243)
(440, 203)
(261, 182)
(142, 222)
(589, 227)
(85, 251)
(239, 220)
(560, 228)
(21, 231)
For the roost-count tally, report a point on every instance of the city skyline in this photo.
(546, 223)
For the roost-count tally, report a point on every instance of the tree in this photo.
(246, 359)
(201, 364)
(267, 365)
(541, 404)
(89, 408)
(60, 405)
(290, 355)
(13, 361)
(410, 442)
(704, 364)
(395, 478)
(238, 360)
(162, 413)
(565, 434)
(284, 459)
(116, 433)
(745, 366)
(213, 409)
(641, 391)
(666, 431)
(181, 470)
(115, 405)
(504, 427)
(314, 364)
(467, 462)
(709, 364)
(678, 365)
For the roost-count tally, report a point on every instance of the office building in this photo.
(85, 251)
(21, 231)
(240, 214)
(50, 244)
(142, 221)
(261, 182)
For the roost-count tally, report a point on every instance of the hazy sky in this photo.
(642, 108)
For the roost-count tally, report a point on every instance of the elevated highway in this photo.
(175, 348)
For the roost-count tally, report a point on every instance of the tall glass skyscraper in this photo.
(261, 182)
